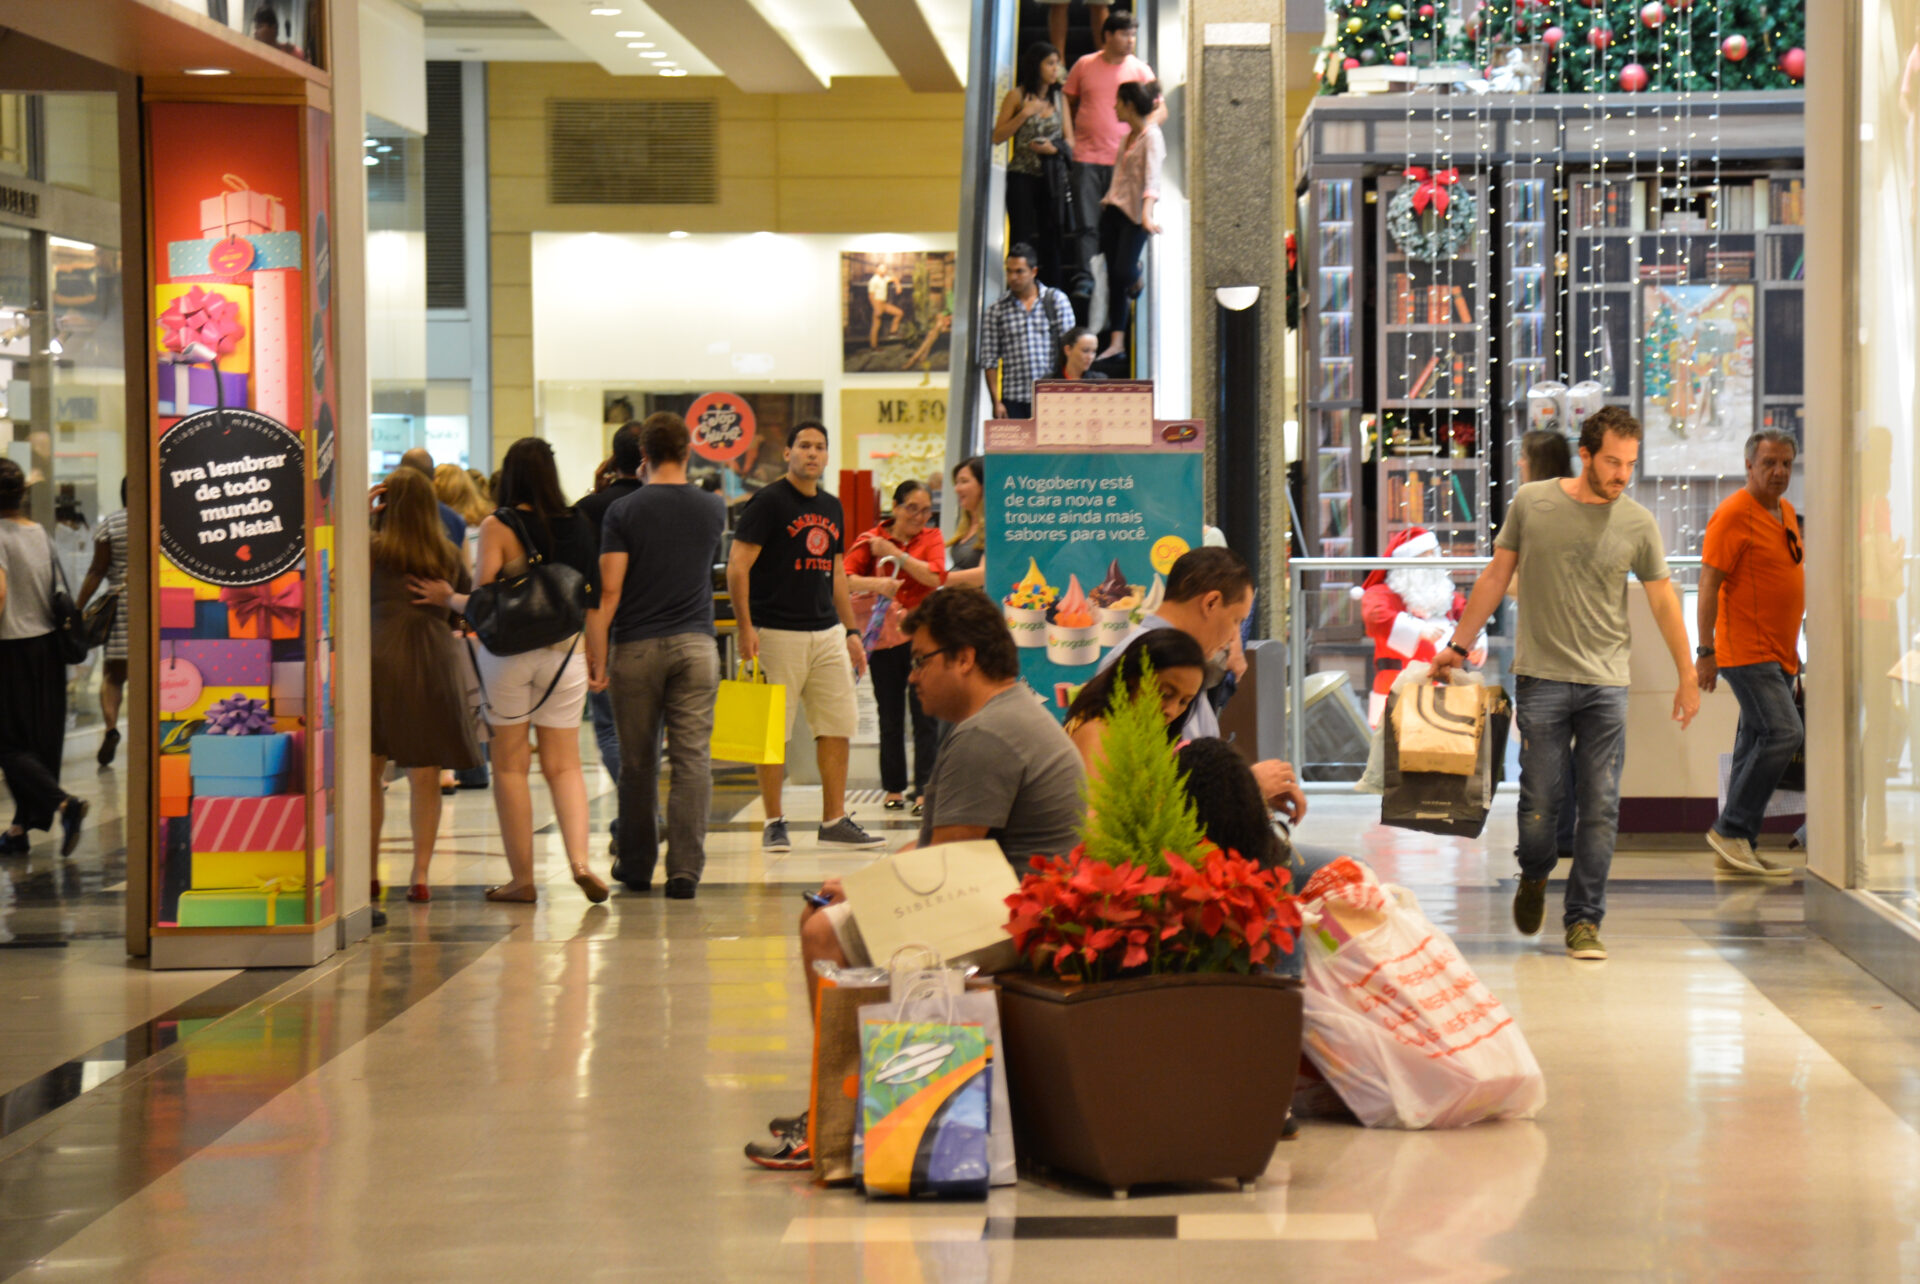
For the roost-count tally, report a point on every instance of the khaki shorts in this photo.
(852, 944)
(817, 673)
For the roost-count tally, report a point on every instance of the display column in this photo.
(242, 419)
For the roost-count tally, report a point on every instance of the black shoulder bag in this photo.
(69, 626)
(544, 604)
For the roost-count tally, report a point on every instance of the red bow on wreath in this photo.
(278, 601)
(1432, 188)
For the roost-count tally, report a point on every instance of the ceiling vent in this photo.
(626, 152)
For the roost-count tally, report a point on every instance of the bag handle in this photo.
(547, 695)
(931, 955)
(510, 518)
(901, 876)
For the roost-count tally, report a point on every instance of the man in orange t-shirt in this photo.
(1753, 593)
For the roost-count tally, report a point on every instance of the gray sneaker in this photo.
(844, 832)
(773, 838)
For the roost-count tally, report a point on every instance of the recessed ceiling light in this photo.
(628, 35)
(373, 142)
(656, 54)
(604, 13)
(639, 44)
(677, 235)
(383, 149)
(673, 71)
(372, 160)
(207, 71)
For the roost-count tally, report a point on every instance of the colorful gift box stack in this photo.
(267, 611)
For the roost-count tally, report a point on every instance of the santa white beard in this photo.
(1427, 593)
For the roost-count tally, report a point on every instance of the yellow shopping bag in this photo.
(750, 719)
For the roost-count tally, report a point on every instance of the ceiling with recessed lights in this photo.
(763, 46)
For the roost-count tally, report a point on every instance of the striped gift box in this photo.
(273, 824)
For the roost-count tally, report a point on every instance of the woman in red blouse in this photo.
(902, 559)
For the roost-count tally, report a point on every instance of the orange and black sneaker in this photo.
(787, 1151)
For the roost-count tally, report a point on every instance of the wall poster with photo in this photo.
(896, 311)
(737, 477)
(1696, 379)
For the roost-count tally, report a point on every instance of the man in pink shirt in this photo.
(1092, 86)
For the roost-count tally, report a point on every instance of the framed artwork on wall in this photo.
(896, 311)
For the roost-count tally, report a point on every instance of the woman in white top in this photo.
(33, 680)
(1126, 212)
(109, 567)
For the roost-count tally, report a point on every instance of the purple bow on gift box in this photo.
(239, 716)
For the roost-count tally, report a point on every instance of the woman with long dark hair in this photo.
(901, 560)
(967, 550)
(1034, 115)
(1227, 802)
(33, 678)
(1126, 212)
(546, 687)
(1179, 669)
(1078, 348)
(420, 720)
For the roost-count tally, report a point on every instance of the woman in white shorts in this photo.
(545, 688)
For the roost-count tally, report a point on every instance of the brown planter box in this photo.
(1156, 1079)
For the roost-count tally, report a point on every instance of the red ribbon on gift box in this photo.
(264, 605)
(1432, 189)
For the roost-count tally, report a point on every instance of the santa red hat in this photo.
(1414, 541)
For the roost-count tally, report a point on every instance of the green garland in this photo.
(1432, 237)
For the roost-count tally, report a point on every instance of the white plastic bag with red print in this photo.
(1397, 1021)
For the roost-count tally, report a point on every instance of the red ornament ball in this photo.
(1553, 36)
(1734, 48)
(1653, 13)
(1633, 78)
(1426, 11)
(1351, 63)
(1600, 37)
(1400, 58)
(1794, 63)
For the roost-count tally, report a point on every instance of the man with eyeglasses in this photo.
(1753, 593)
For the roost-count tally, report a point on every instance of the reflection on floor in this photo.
(561, 1091)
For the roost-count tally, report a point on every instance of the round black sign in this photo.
(232, 497)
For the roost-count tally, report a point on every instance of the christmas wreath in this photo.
(1431, 217)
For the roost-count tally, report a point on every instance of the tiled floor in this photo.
(560, 1092)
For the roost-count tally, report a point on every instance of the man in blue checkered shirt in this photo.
(1022, 335)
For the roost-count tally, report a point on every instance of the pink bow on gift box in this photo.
(202, 325)
(278, 601)
(1432, 189)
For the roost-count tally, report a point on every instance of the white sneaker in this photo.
(1733, 855)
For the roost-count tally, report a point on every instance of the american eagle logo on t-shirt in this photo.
(817, 541)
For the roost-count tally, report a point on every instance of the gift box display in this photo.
(176, 608)
(241, 766)
(187, 389)
(241, 211)
(270, 610)
(289, 689)
(243, 907)
(198, 325)
(210, 619)
(172, 577)
(271, 251)
(215, 870)
(176, 785)
(276, 824)
(228, 663)
(212, 695)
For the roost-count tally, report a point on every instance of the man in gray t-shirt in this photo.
(1566, 547)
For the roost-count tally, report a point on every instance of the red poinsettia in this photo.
(1088, 920)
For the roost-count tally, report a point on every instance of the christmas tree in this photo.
(1662, 342)
(1663, 46)
(1375, 32)
(1139, 809)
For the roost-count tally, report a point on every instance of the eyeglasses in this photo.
(1793, 544)
(922, 658)
(912, 510)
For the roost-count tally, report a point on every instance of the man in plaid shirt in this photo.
(1022, 335)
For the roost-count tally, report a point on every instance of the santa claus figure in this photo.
(1409, 613)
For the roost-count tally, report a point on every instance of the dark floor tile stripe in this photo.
(1024, 1227)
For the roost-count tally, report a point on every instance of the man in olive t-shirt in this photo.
(1569, 544)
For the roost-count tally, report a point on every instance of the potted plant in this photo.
(1144, 1041)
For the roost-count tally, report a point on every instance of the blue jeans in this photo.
(605, 730)
(1587, 725)
(1770, 734)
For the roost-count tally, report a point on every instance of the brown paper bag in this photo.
(836, 1077)
(1437, 729)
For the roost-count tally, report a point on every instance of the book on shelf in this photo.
(1460, 307)
(1460, 498)
(1729, 265)
(1402, 300)
(1439, 305)
(1789, 204)
(1419, 384)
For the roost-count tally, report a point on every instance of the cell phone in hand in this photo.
(819, 900)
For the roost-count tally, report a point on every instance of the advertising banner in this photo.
(1088, 505)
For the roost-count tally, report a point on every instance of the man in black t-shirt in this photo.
(789, 593)
(656, 566)
(626, 480)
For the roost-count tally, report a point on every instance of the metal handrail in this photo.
(1300, 567)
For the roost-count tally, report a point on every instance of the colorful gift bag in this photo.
(750, 719)
(925, 1101)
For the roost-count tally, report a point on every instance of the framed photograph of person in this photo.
(896, 311)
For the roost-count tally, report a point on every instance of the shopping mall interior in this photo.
(318, 962)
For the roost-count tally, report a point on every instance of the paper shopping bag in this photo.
(1438, 728)
(750, 719)
(951, 898)
(925, 1098)
(836, 1076)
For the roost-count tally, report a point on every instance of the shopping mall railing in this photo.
(1330, 659)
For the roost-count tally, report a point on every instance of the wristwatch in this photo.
(1702, 652)
(853, 633)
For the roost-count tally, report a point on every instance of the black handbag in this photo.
(69, 626)
(544, 604)
(99, 616)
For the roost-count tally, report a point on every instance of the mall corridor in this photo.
(562, 1091)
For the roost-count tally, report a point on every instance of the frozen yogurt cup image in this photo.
(1114, 601)
(1027, 606)
(1072, 637)
(1151, 602)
